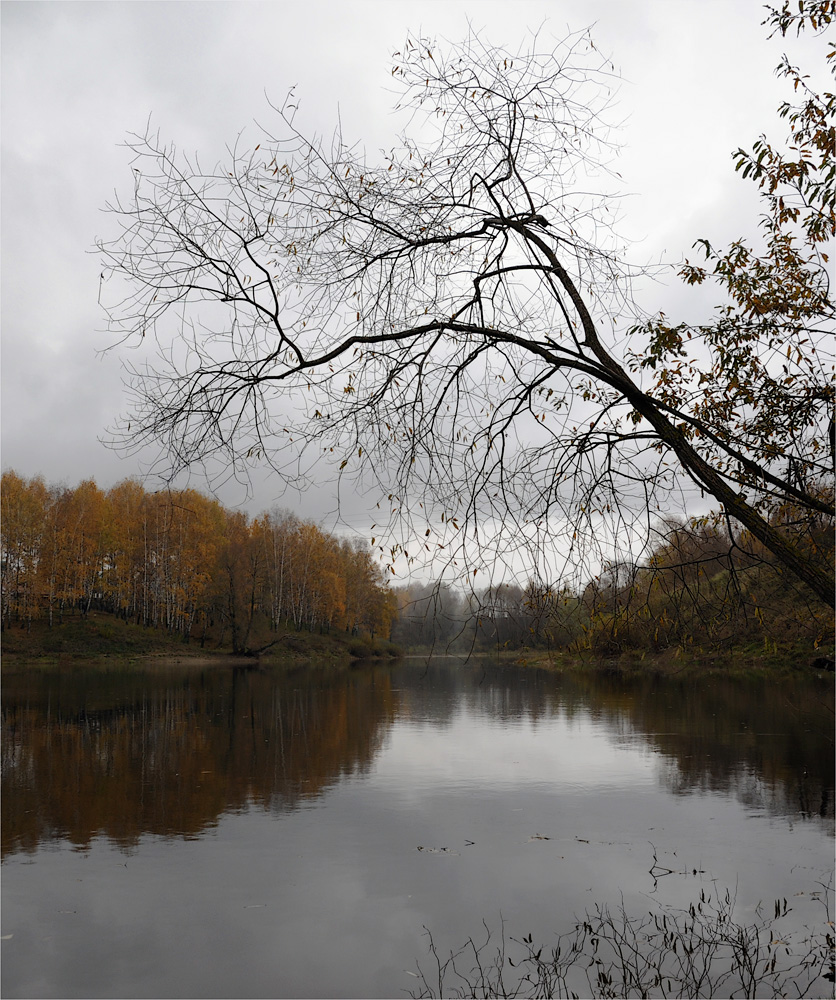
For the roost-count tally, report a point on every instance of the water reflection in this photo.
(129, 752)
(768, 742)
(124, 752)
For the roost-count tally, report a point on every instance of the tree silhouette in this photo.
(454, 317)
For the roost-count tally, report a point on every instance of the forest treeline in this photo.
(179, 561)
(706, 585)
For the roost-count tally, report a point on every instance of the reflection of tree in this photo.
(772, 747)
(122, 754)
(127, 754)
(769, 744)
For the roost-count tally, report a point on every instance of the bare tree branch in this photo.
(440, 317)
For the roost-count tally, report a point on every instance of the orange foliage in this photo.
(177, 560)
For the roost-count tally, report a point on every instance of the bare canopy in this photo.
(455, 317)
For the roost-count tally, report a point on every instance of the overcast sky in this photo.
(76, 77)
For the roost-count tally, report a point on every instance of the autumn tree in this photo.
(126, 562)
(22, 526)
(368, 603)
(81, 545)
(277, 534)
(454, 316)
(195, 539)
(756, 384)
(177, 560)
(316, 591)
(238, 587)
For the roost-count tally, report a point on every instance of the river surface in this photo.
(186, 831)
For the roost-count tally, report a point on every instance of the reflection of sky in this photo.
(331, 900)
(555, 754)
(539, 821)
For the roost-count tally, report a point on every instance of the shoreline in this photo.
(103, 638)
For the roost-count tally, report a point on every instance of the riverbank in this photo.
(100, 635)
(737, 660)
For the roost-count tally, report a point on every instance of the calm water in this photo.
(214, 832)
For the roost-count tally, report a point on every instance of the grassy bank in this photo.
(748, 658)
(102, 635)
(738, 659)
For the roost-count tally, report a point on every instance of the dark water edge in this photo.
(194, 830)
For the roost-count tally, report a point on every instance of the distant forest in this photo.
(707, 585)
(179, 561)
